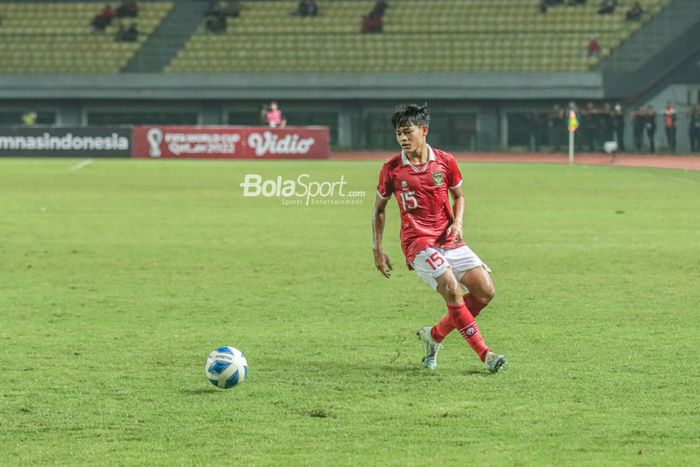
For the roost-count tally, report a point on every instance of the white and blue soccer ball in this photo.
(226, 367)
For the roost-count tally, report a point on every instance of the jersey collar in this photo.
(405, 161)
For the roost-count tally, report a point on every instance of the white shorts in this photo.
(432, 263)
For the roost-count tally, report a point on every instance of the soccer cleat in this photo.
(431, 347)
(494, 362)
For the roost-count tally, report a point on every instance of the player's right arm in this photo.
(381, 259)
(384, 190)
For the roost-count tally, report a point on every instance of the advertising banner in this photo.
(163, 142)
(66, 142)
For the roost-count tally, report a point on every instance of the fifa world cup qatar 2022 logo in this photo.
(154, 138)
(158, 142)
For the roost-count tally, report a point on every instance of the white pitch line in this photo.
(82, 164)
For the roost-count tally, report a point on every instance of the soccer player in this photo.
(421, 179)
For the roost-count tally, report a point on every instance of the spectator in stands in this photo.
(302, 8)
(365, 24)
(215, 22)
(650, 127)
(108, 13)
(379, 8)
(103, 19)
(312, 7)
(638, 128)
(307, 8)
(274, 116)
(607, 7)
(635, 13)
(694, 128)
(127, 9)
(618, 120)
(372, 23)
(593, 48)
(99, 23)
(124, 34)
(670, 122)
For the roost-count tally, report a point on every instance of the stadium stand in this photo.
(453, 36)
(43, 38)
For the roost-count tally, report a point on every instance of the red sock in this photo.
(442, 329)
(463, 320)
(445, 326)
(474, 305)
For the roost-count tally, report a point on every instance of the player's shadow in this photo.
(478, 372)
(420, 371)
(199, 391)
(402, 369)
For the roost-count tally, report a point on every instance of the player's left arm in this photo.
(454, 180)
(458, 201)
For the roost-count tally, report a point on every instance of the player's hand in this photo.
(383, 263)
(455, 231)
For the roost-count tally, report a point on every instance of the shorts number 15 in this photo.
(408, 200)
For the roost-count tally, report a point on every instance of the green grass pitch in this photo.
(117, 280)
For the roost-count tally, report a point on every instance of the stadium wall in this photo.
(470, 111)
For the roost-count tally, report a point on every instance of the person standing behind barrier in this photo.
(694, 128)
(638, 128)
(274, 116)
(589, 126)
(650, 127)
(606, 131)
(557, 127)
(618, 123)
(670, 122)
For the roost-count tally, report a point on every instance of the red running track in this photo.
(621, 160)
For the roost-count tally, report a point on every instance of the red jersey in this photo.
(424, 199)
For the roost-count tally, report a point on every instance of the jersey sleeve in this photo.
(385, 187)
(454, 176)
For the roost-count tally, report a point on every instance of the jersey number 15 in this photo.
(408, 200)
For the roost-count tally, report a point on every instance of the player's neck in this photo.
(420, 156)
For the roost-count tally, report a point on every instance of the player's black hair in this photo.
(411, 114)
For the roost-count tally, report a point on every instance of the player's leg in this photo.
(428, 265)
(481, 289)
(448, 286)
(433, 267)
(475, 276)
